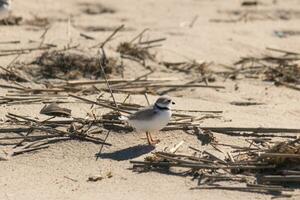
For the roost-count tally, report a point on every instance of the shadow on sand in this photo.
(128, 153)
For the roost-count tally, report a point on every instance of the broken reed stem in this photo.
(115, 81)
(102, 62)
(21, 151)
(282, 51)
(10, 42)
(99, 104)
(168, 86)
(244, 189)
(102, 44)
(255, 130)
(201, 166)
(139, 35)
(280, 178)
(24, 49)
(153, 41)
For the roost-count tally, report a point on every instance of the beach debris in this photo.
(135, 50)
(257, 168)
(138, 48)
(253, 14)
(95, 178)
(11, 21)
(54, 110)
(69, 65)
(249, 3)
(38, 21)
(96, 9)
(191, 67)
(282, 69)
(245, 103)
(286, 33)
(102, 28)
(109, 174)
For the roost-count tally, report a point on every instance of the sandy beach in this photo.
(212, 32)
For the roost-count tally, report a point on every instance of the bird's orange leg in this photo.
(152, 140)
(149, 138)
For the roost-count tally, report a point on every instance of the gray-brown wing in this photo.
(2, 3)
(143, 114)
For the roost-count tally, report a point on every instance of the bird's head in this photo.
(164, 102)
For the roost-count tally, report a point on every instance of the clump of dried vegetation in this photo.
(260, 168)
(68, 65)
(135, 50)
(283, 69)
(96, 9)
(11, 21)
(254, 14)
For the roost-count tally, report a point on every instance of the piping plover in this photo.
(5, 7)
(152, 118)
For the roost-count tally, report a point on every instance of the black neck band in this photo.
(161, 108)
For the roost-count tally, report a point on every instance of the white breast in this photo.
(155, 124)
(4, 11)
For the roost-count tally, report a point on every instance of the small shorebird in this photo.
(152, 118)
(5, 8)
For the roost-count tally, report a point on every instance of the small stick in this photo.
(127, 97)
(200, 111)
(74, 180)
(193, 21)
(45, 141)
(256, 130)
(29, 137)
(87, 36)
(280, 178)
(215, 157)
(146, 97)
(278, 155)
(139, 35)
(115, 81)
(102, 62)
(172, 86)
(21, 151)
(10, 42)
(22, 117)
(282, 51)
(174, 149)
(12, 73)
(290, 172)
(43, 36)
(25, 49)
(100, 104)
(244, 189)
(203, 166)
(230, 157)
(153, 41)
(235, 146)
(109, 37)
(100, 151)
(288, 85)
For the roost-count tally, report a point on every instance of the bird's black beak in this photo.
(173, 102)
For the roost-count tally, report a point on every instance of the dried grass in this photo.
(67, 65)
(96, 9)
(135, 50)
(11, 21)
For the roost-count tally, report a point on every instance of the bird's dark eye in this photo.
(169, 101)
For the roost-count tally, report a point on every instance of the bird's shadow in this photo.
(128, 153)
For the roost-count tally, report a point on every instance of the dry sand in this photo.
(61, 172)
